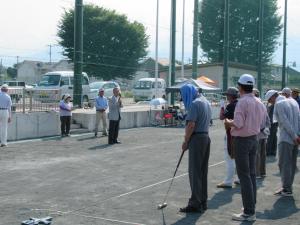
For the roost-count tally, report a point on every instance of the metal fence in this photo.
(34, 100)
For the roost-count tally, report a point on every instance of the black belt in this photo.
(202, 132)
(252, 136)
(3, 108)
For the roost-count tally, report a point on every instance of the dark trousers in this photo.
(261, 158)
(199, 149)
(287, 164)
(65, 124)
(272, 140)
(245, 156)
(113, 132)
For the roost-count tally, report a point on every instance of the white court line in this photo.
(106, 219)
(73, 212)
(161, 182)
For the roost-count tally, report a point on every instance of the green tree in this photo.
(112, 46)
(243, 30)
(12, 72)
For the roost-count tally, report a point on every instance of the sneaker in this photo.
(68, 135)
(3, 145)
(223, 185)
(243, 217)
(282, 192)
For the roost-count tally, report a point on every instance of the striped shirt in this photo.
(248, 116)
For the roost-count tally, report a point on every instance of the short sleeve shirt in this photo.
(229, 111)
(200, 113)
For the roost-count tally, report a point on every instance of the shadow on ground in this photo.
(282, 208)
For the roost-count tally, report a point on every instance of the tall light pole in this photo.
(195, 40)
(226, 45)
(172, 47)
(260, 43)
(156, 48)
(78, 56)
(182, 39)
(283, 83)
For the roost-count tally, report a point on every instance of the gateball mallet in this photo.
(164, 204)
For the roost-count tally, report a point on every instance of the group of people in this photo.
(102, 104)
(249, 135)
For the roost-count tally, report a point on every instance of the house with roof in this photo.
(32, 71)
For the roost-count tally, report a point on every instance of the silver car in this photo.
(108, 87)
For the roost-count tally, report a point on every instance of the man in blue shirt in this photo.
(101, 105)
(197, 141)
(5, 114)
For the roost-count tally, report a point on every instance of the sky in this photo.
(29, 27)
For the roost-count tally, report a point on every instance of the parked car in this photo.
(62, 81)
(108, 87)
(144, 89)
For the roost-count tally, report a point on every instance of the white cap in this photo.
(269, 94)
(4, 86)
(287, 91)
(67, 96)
(101, 89)
(247, 79)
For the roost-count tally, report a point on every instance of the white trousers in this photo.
(3, 126)
(230, 165)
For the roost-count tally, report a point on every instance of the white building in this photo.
(32, 71)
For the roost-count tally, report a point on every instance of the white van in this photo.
(62, 81)
(144, 89)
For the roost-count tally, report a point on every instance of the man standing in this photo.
(228, 112)
(272, 97)
(101, 105)
(245, 127)
(5, 114)
(295, 95)
(114, 116)
(198, 142)
(286, 112)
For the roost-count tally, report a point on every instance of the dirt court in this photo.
(82, 180)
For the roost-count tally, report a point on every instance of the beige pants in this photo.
(101, 116)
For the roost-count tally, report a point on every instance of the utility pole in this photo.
(78, 46)
(173, 46)
(226, 45)
(283, 84)
(195, 40)
(156, 48)
(50, 53)
(17, 59)
(260, 43)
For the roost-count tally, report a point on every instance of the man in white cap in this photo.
(101, 105)
(287, 92)
(5, 114)
(248, 117)
(271, 96)
(286, 112)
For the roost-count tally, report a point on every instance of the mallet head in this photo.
(161, 206)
